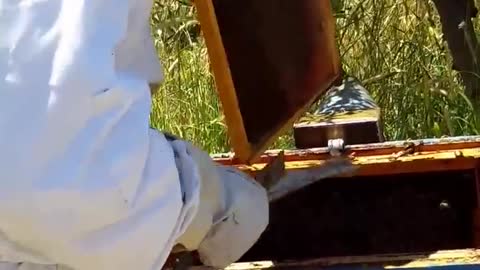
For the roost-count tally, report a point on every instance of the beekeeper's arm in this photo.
(233, 211)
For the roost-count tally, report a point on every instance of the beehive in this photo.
(411, 204)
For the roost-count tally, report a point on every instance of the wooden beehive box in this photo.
(271, 60)
(410, 205)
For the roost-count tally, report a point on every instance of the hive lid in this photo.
(271, 60)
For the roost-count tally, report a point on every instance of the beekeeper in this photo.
(85, 183)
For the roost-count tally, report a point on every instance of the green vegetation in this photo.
(395, 47)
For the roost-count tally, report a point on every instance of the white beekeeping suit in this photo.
(85, 184)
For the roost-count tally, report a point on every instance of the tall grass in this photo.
(394, 46)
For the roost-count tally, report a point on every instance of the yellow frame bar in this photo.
(223, 78)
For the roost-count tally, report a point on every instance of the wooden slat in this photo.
(373, 166)
(373, 149)
(387, 158)
(223, 78)
(440, 260)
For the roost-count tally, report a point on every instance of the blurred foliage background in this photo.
(394, 46)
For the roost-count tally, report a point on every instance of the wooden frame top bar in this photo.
(453, 153)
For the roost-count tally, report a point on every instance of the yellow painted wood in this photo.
(223, 78)
(378, 159)
(392, 261)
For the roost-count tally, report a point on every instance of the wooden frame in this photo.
(386, 158)
(328, 69)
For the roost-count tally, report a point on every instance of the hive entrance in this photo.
(371, 215)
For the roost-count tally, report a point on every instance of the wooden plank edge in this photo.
(372, 149)
(223, 78)
(464, 159)
(388, 261)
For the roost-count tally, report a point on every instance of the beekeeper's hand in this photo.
(233, 212)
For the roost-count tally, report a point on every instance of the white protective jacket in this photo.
(85, 184)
